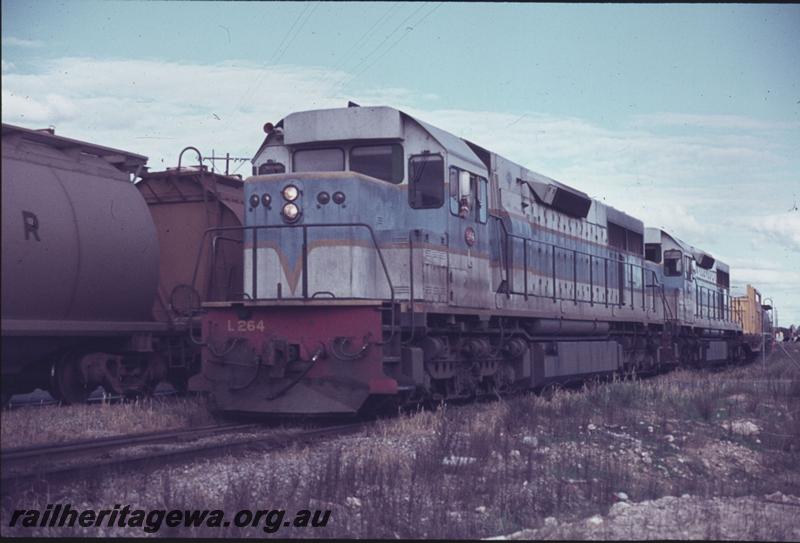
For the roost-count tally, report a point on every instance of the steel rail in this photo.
(34, 451)
(59, 469)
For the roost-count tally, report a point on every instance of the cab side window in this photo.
(454, 196)
(426, 181)
(482, 200)
(673, 263)
(468, 195)
(688, 267)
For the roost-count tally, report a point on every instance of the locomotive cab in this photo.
(695, 281)
(339, 196)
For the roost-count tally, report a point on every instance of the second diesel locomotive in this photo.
(386, 259)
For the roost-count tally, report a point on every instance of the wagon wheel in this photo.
(66, 382)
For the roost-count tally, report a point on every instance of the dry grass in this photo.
(51, 424)
(495, 468)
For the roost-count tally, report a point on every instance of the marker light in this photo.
(323, 197)
(338, 197)
(290, 193)
(291, 212)
(254, 200)
(266, 199)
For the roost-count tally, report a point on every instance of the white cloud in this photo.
(783, 228)
(583, 152)
(157, 108)
(7, 66)
(11, 41)
(40, 110)
(728, 122)
(765, 278)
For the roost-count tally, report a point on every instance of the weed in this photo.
(35, 425)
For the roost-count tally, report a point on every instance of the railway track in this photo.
(46, 464)
(43, 399)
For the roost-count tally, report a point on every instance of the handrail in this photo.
(709, 299)
(305, 227)
(196, 150)
(574, 253)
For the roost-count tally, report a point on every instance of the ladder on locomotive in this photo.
(671, 323)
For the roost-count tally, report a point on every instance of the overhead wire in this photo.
(297, 32)
(409, 29)
(276, 54)
(289, 31)
(366, 58)
(366, 35)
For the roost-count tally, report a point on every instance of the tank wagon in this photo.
(95, 289)
(386, 259)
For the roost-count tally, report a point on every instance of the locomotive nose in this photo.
(313, 226)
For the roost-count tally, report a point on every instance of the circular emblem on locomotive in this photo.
(469, 236)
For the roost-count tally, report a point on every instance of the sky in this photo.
(686, 116)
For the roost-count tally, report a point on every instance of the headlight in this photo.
(254, 200)
(338, 197)
(290, 193)
(291, 212)
(266, 199)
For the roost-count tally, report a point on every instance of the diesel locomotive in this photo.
(387, 261)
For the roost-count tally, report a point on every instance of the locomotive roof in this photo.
(190, 172)
(122, 160)
(624, 220)
(454, 145)
(654, 235)
(365, 123)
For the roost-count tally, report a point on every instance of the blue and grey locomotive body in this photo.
(386, 258)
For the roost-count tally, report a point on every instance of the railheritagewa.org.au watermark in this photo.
(151, 521)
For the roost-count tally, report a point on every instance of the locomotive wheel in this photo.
(66, 382)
